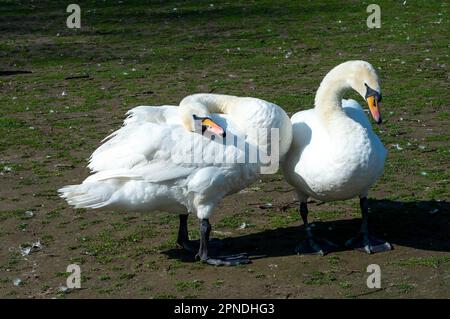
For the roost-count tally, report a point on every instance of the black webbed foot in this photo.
(368, 244)
(230, 260)
(315, 246)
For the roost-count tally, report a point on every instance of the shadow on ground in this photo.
(420, 224)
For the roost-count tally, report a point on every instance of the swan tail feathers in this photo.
(87, 195)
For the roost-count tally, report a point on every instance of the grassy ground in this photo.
(133, 53)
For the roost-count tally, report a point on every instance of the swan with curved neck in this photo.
(248, 114)
(335, 155)
(134, 169)
(357, 75)
(200, 107)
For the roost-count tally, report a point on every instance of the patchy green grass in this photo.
(320, 278)
(434, 262)
(231, 222)
(127, 276)
(283, 219)
(404, 288)
(182, 286)
(345, 284)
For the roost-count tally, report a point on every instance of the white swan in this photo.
(335, 155)
(152, 162)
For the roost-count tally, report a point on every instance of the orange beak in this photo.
(374, 107)
(213, 127)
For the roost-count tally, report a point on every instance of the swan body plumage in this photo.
(136, 167)
(337, 161)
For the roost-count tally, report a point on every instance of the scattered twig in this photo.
(282, 208)
(288, 190)
(370, 292)
(85, 76)
(317, 203)
(352, 272)
(144, 93)
(9, 72)
(64, 166)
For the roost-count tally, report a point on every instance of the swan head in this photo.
(197, 118)
(363, 78)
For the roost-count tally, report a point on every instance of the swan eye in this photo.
(372, 92)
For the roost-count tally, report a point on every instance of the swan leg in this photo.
(192, 246)
(183, 235)
(312, 244)
(232, 260)
(363, 241)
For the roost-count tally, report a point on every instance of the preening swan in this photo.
(153, 163)
(335, 155)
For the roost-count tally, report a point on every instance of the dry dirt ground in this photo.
(132, 53)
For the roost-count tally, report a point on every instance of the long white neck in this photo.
(203, 105)
(328, 100)
(211, 103)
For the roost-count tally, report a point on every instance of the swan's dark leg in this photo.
(363, 241)
(183, 235)
(232, 260)
(312, 244)
(192, 246)
(205, 230)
